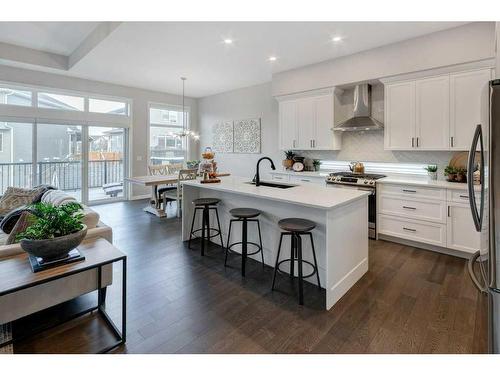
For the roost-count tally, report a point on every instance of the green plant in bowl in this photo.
(53, 231)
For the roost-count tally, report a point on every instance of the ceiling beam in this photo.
(101, 32)
(32, 56)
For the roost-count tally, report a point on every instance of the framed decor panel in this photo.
(247, 136)
(222, 140)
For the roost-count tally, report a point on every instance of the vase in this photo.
(433, 176)
(287, 163)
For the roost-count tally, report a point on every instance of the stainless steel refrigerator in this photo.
(484, 199)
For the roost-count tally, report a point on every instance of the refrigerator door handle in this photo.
(477, 215)
(472, 274)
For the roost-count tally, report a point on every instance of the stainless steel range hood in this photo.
(362, 119)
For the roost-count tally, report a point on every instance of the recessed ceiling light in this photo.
(272, 58)
(336, 39)
(228, 41)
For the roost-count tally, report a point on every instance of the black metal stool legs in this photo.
(298, 243)
(244, 243)
(206, 230)
(297, 256)
(277, 261)
(315, 261)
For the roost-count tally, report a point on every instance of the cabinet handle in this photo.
(409, 229)
(464, 196)
(314, 143)
(294, 143)
(305, 180)
(409, 191)
(449, 211)
(278, 178)
(452, 142)
(417, 142)
(412, 141)
(409, 208)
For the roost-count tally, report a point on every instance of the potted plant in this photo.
(461, 174)
(288, 162)
(53, 231)
(316, 164)
(432, 171)
(451, 173)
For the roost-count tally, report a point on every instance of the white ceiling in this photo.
(55, 37)
(153, 55)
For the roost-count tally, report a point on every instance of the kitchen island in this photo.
(340, 237)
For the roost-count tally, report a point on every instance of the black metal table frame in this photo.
(121, 336)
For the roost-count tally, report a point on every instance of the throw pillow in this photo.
(15, 197)
(11, 219)
(24, 222)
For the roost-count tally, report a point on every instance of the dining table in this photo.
(154, 207)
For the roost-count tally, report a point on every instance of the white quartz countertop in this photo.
(303, 174)
(439, 184)
(309, 195)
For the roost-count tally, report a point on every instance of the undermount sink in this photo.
(272, 184)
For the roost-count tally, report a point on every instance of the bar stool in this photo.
(244, 215)
(205, 205)
(296, 227)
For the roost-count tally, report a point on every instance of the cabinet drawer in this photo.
(462, 196)
(413, 208)
(307, 180)
(280, 177)
(412, 191)
(420, 231)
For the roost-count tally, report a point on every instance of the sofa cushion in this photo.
(24, 222)
(57, 197)
(15, 197)
(11, 219)
(90, 217)
(3, 238)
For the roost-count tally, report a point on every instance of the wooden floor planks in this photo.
(410, 301)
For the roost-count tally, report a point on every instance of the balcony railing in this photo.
(65, 175)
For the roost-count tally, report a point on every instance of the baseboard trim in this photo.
(346, 283)
(424, 246)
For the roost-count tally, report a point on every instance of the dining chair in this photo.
(176, 195)
(160, 170)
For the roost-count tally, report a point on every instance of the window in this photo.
(108, 106)
(15, 97)
(165, 146)
(62, 102)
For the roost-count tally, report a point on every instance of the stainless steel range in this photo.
(360, 181)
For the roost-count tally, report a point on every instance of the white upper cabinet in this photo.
(468, 105)
(436, 113)
(400, 116)
(325, 138)
(306, 122)
(306, 114)
(433, 113)
(288, 133)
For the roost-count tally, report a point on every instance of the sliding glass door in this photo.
(16, 155)
(87, 162)
(106, 163)
(59, 157)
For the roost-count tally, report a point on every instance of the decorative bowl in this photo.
(54, 248)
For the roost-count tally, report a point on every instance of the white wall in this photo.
(251, 102)
(468, 43)
(140, 99)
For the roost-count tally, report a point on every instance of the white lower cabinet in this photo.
(415, 230)
(435, 216)
(461, 234)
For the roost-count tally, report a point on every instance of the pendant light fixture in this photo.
(185, 133)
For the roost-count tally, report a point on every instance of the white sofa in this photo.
(29, 301)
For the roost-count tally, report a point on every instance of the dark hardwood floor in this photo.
(410, 301)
